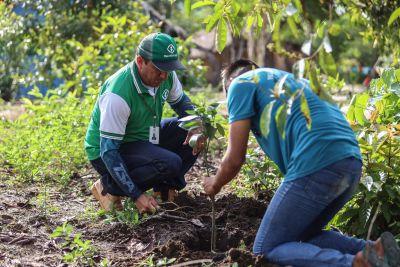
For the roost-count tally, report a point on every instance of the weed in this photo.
(78, 251)
(242, 245)
(149, 261)
(42, 202)
(129, 215)
(258, 175)
(165, 261)
(46, 142)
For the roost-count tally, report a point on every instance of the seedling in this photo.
(204, 120)
(129, 215)
(81, 251)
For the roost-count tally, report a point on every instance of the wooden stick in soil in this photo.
(370, 227)
(213, 227)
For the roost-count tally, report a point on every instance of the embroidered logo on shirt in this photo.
(165, 95)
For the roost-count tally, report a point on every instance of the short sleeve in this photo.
(241, 96)
(114, 114)
(176, 91)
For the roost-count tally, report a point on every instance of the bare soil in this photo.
(180, 231)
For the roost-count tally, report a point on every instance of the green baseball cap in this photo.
(160, 48)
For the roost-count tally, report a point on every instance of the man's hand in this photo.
(146, 203)
(200, 142)
(210, 186)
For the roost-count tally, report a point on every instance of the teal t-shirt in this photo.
(302, 151)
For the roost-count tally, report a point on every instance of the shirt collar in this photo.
(137, 81)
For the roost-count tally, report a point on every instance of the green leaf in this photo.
(293, 26)
(314, 82)
(265, 119)
(187, 7)
(318, 88)
(249, 21)
(220, 129)
(394, 16)
(335, 29)
(305, 110)
(276, 33)
(209, 131)
(280, 119)
(222, 34)
(212, 20)
(388, 77)
(357, 107)
(202, 3)
(350, 115)
(260, 21)
(327, 63)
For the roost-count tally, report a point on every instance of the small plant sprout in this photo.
(204, 119)
(80, 252)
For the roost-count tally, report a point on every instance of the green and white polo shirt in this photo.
(125, 108)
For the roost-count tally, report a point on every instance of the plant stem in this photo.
(371, 225)
(213, 227)
(205, 157)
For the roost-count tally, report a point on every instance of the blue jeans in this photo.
(160, 167)
(291, 232)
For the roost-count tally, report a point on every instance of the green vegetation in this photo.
(78, 252)
(45, 144)
(129, 215)
(150, 262)
(258, 175)
(375, 116)
(83, 45)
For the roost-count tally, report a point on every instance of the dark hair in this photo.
(235, 69)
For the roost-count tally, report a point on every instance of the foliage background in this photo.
(72, 47)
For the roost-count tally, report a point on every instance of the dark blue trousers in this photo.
(160, 167)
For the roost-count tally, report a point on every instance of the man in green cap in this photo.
(127, 142)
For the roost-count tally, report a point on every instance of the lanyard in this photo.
(151, 110)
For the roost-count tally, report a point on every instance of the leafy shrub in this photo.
(129, 215)
(259, 175)
(77, 251)
(47, 141)
(375, 116)
(13, 46)
(61, 42)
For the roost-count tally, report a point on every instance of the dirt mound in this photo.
(178, 234)
(181, 230)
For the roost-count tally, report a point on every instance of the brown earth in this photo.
(180, 232)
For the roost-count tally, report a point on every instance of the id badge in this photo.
(154, 135)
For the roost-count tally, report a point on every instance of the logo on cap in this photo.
(171, 49)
